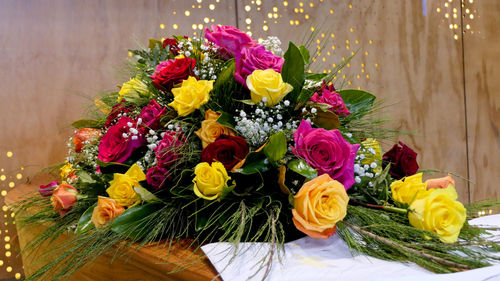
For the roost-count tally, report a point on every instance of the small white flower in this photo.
(139, 121)
(134, 137)
(187, 53)
(370, 184)
(349, 135)
(366, 167)
(129, 124)
(151, 132)
(264, 99)
(286, 102)
(124, 135)
(373, 165)
(313, 110)
(361, 156)
(170, 127)
(357, 179)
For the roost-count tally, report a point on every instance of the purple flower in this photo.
(330, 97)
(157, 176)
(46, 190)
(326, 151)
(151, 115)
(253, 58)
(230, 39)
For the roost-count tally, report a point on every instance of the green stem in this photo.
(383, 207)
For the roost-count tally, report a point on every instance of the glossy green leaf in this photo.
(85, 177)
(324, 118)
(153, 43)
(293, 71)
(305, 54)
(357, 101)
(302, 168)
(87, 123)
(85, 223)
(226, 119)
(276, 147)
(255, 162)
(131, 222)
(145, 195)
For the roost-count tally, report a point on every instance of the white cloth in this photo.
(330, 259)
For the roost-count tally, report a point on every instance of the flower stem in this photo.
(383, 207)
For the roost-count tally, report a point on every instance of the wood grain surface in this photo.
(442, 84)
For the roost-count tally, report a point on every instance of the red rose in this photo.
(120, 141)
(229, 150)
(403, 161)
(151, 115)
(84, 136)
(117, 111)
(157, 176)
(173, 72)
(172, 44)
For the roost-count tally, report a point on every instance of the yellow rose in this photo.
(319, 205)
(409, 189)
(122, 186)
(267, 84)
(440, 213)
(105, 210)
(370, 157)
(133, 89)
(210, 130)
(191, 95)
(210, 180)
(66, 170)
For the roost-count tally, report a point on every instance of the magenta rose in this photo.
(229, 150)
(253, 58)
(330, 97)
(119, 142)
(157, 176)
(169, 149)
(326, 151)
(230, 39)
(172, 72)
(46, 190)
(151, 115)
(403, 161)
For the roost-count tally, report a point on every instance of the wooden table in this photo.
(147, 263)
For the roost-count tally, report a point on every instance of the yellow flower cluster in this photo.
(191, 95)
(210, 180)
(433, 205)
(134, 89)
(122, 186)
(267, 85)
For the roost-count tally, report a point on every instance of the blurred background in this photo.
(434, 61)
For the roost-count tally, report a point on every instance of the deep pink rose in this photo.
(114, 146)
(326, 151)
(230, 39)
(252, 58)
(151, 115)
(46, 190)
(403, 161)
(157, 176)
(330, 97)
(169, 149)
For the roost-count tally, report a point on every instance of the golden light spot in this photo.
(446, 4)
(4, 193)
(285, 3)
(248, 20)
(471, 16)
(371, 42)
(5, 208)
(187, 13)
(367, 76)
(350, 6)
(174, 12)
(248, 8)
(258, 2)
(3, 177)
(265, 27)
(358, 76)
(249, 33)
(9, 269)
(8, 254)
(357, 41)
(376, 64)
(455, 37)
(446, 15)
(306, 16)
(312, 28)
(451, 26)
(455, 16)
(331, 11)
(438, 10)
(162, 26)
(348, 65)
(270, 15)
(347, 47)
(362, 70)
(344, 76)
(455, 26)
(467, 26)
(175, 26)
(454, 10)
(467, 11)
(211, 7)
(7, 238)
(349, 82)
(18, 276)
(12, 215)
(206, 20)
(200, 26)
(9, 154)
(194, 26)
(301, 4)
(291, 22)
(297, 22)
(275, 9)
(351, 29)
(1, 262)
(366, 53)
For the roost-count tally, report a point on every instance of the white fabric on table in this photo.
(330, 259)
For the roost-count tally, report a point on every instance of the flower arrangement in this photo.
(225, 139)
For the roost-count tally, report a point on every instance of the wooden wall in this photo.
(433, 59)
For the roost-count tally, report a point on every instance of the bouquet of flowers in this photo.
(223, 138)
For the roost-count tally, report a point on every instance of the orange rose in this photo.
(210, 130)
(319, 205)
(106, 210)
(443, 182)
(85, 136)
(64, 198)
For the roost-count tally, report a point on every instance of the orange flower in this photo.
(84, 136)
(64, 198)
(443, 182)
(210, 130)
(105, 210)
(319, 205)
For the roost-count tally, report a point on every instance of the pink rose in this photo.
(330, 97)
(230, 39)
(46, 190)
(169, 149)
(157, 176)
(118, 143)
(326, 151)
(64, 198)
(151, 115)
(252, 58)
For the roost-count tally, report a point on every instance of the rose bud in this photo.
(64, 198)
(46, 190)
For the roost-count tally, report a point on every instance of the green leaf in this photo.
(146, 195)
(316, 77)
(325, 118)
(276, 148)
(85, 177)
(200, 222)
(302, 168)
(85, 223)
(293, 71)
(255, 162)
(226, 75)
(111, 167)
(358, 102)
(226, 119)
(305, 54)
(249, 102)
(153, 43)
(132, 222)
(88, 123)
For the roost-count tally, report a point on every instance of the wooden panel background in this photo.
(57, 54)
